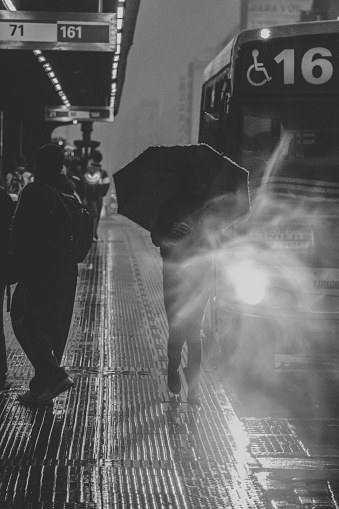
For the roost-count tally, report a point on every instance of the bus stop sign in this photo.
(72, 31)
(79, 114)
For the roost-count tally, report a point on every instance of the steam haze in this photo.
(167, 37)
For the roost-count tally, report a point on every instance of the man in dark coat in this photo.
(43, 301)
(6, 213)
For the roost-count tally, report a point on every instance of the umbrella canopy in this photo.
(151, 178)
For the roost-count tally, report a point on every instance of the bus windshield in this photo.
(297, 139)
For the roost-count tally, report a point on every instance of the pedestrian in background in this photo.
(97, 183)
(6, 213)
(17, 179)
(43, 300)
(186, 277)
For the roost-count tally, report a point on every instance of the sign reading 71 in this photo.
(286, 68)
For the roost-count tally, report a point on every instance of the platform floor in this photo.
(117, 439)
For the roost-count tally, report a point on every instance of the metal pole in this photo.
(86, 128)
(1, 144)
(20, 137)
(100, 5)
(243, 14)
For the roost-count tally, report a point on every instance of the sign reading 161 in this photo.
(316, 69)
(71, 31)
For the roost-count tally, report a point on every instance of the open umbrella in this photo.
(145, 183)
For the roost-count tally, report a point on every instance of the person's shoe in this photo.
(28, 398)
(173, 380)
(193, 396)
(52, 391)
(5, 387)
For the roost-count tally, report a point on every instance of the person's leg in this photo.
(176, 333)
(61, 316)
(194, 349)
(92, 209)
(197, 291)
(3, 353)
(30, 313)
(99, 208)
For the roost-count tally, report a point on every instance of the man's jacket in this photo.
(36, 226)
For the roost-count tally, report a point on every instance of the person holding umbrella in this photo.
(184, 195)
(186, 274)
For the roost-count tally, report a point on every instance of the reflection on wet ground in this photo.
(118, 440)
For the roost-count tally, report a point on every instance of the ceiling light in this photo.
(9, 5)
(47, 67)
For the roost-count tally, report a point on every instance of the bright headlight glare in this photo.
(250, 283)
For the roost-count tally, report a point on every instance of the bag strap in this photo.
(56, 194)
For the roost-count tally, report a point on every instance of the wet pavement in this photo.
(118, 440)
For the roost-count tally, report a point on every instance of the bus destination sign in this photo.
(274, 68)
(79, 114)
(60, 31)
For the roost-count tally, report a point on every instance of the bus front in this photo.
(279, 119)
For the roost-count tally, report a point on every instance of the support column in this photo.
(86, 128)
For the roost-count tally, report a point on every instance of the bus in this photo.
(270, 102)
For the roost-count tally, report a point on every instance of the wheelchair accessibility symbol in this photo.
(256, 73)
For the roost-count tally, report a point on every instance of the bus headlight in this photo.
(250, 283)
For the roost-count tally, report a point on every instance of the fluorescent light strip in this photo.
(51, 74)
(120, 22)
(9, 5)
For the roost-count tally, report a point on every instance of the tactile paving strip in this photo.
(116, 440)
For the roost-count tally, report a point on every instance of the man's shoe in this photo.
(5, 387)
(173, 380)
(28, 398)
(52, 391)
